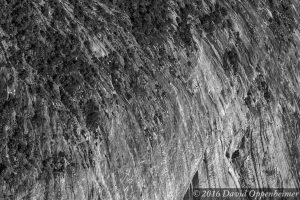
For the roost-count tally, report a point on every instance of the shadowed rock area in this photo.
(128, 99)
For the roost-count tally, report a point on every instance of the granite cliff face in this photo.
(127, 99)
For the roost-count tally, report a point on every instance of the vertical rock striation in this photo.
(125, 99)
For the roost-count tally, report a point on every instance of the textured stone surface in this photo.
(128, 99)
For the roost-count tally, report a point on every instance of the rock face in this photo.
(128, 99)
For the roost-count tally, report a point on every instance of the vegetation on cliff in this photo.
(127, 99)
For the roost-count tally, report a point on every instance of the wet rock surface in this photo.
(139, 99)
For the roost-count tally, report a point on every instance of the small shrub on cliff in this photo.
(230, 60)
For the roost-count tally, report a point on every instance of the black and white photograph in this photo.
(149, 99)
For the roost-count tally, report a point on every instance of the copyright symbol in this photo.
(196, 193)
